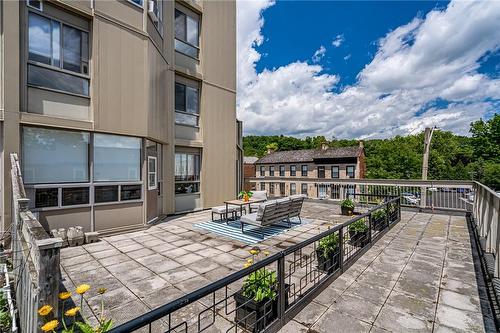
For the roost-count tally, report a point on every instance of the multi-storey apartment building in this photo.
(120, 110)
(306, 172)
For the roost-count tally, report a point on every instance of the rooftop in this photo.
(309, 155)
(420, 276)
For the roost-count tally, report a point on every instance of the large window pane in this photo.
(180, 25)
(116, 158)
(56, 42)
(192, 31)
(46, 197)
(48, 78)
(180, 97)
(72, 49)
(186, 48)
(186, 119)
(75, 196)
(130, 192)
(106, 193)
(185, 188)
(192, 100)
(187, 167)
(39, 39)
(54, 156)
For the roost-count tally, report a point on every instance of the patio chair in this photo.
(258, 195)
(268, 214)
(296, 205)
(221, 211)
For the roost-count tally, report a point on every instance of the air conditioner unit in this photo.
(151, 11)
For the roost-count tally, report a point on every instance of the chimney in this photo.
(324, 146)
(269, 151)
(361, 144)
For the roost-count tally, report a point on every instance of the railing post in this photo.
(341, 249)
(281, 290)
(370, 227)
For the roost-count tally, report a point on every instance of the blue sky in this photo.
(294, 29)
(366, 69)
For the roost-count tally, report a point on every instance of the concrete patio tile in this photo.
(177, 275)
(209, 252)
(334, 321)
(97, 247)
(140, 253)
(182, 242)
(417, 289)
(144, 287)
(70, 252)
(192, 284)
(150, 259)
(135, 274)
(162, 248)
(459, 320)
(375, 294)
(357, 307)
(227, 259)
(310, 314)
(113, 260)
(226, 247)
(370, 276)
(105, 254)
(188, 259)
(376, 329)
(460, 287)
(153, 242)
(460, 301)
(396, 320)
(414, 306)
(163, 266)
(76, 260)
(112, 299)
(294, 327)
(204, 265)
(131, 310)
(194, 247)
(123, 267)
(176, 253)
(162, 296)
(218, 273)
(86, 266)
(130, 248)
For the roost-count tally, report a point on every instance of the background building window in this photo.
(293, 170)
(321, 172)
(106, 193)
(335, 171)
(350, 170)
(282, 189)
(271, 188)
(117, 158)
(293, 188)
(186, 105)
(262, 186)
(271, 170)
(156, 13)
(187, 173)
(282, 171)
(304, 170)
(186, 34)
(303, 189)
(61, 47)
(75, 196)
(54, 156)
(262, 170)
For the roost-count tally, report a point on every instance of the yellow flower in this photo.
(266, 253)
(45, 310)
(250, 261)
(253, 252)
(102, 291)
(246, 265)
(64, 295)
(50, 326)
(72, 312)
(82, 289)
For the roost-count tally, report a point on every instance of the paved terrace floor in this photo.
(419, 277)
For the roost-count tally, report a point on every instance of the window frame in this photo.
(155, 173)
(197, 115)
(293, 170)
(304, 170)
(353, 171)
(302, 187)
(282, 171)
(60, 68)
(198, 181)
(293, 188)
(271, 171)
(262, 171)
(338, 171)
(141, 6)
(197, 47)
(33, 7)
(262, 186)
(159, 15)
(322, 169)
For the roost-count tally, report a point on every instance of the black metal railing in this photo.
(264, 296)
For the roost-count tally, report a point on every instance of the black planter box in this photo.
(328, 265)
(256, 316)
(346, 211)
(359, 239)
(378, 224)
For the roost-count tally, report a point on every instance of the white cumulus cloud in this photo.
(319, 54)
(338, 40)
(434, 58)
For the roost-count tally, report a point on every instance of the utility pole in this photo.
(425, 163)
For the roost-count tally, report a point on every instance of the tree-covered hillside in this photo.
(451, 156)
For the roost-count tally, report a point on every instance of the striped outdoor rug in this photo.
(252, 234)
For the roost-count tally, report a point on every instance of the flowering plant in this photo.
(51, 325)
(261, 284)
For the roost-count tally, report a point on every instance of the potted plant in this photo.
(347, 207)
(378, 219)
(257, 300)
(245, 195)
(358, 233)
(327, 253)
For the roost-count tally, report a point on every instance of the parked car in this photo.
(410, 199)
